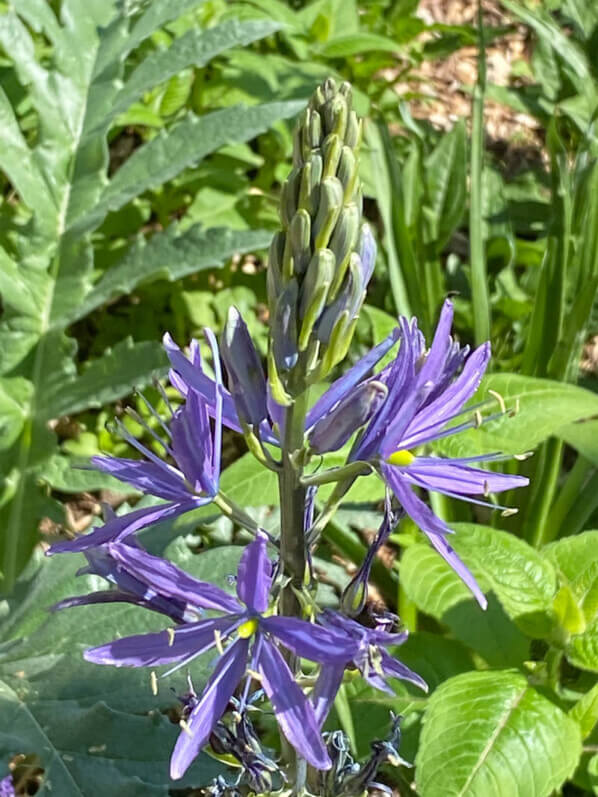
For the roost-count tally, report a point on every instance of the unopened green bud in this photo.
(319, 272)
(314, 130)
(275, 385)
(309, 191)
(289, 197)
(347, 172)
(343, 242)
(332, 148)
(274, 277)
(299, 240)
(354, 131)
(331, 203)
(335, 114)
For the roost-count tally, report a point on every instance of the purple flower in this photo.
(244, 634)
(190, 483)
(426, 394)
(7, 788)
(370, 657)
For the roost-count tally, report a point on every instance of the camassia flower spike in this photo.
(191, 483)
(245, 637)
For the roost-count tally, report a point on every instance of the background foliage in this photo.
(143, 147)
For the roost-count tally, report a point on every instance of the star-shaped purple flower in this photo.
(245, 637)
(190, 483)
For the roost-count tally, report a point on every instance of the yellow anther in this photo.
(248, 628)
(170, 632)
(185, 727)
(477, 419)
(255, 675)
(218, 641)
(501, 402)
(401, 458)
(154, 683)
(509, 512)
(486, 489)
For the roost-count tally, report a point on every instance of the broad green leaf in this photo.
(15, 393)
(521, 578)
(489, 734)
(585, 711)
(355, 43)
(88, 723)
(543, 407)
(435, 589)
(248, 483)
(61, 473)
(184, 145)
(172, 255)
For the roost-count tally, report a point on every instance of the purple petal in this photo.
(211, 706)
(333, 430)
(435, 473)
(195, 378)
(164, 647)
(192, 444)
(254, 576)
(367, 253)
(245, 371)
(324, 692)
(438, 412)
(122, 526)
(433, 527)
(163, 481)
(433, 366)
(310, 641)
(393, 668)
(339, 389)
(169, 580)
(294, 713)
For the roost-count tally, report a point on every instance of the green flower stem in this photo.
(568, 497)
(329, 509)
(292, 544)
(337, 474)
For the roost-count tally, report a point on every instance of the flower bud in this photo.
(247, 382)
(284, 328)
(335, 429)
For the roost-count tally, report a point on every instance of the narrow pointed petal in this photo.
(218, 408)
(211, 706)
(194, 377)
(442, 475)
(169, 580)
(192, 443)
(325, 690)
(335, 429)
(254, 576)
(149, 477)
(339, 389)
(310, 641)
(123, 526)
(164, 647)
(439, 411)
(294, 713)
(245, 371)
(433, 527)
(433, 366)
(393, 668)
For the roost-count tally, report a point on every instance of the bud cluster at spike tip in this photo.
(321, 261)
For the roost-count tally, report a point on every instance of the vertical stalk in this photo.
(537, 531)
(568, 497)
(479, 277)
(292, 547)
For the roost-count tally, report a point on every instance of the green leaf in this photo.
(68, 476)
(184, 145)
(445, 187)
(544, 407)
(248, 483)
(172, 255)
(110, 377)
(585, 711)
(355, 43)
(89, 723)
(489, 734)
(15, 393)
(521, 578)
(583, 437)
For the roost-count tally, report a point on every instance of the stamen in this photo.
(500, 400)
(160, 388)
(155, 413)
(138, 419)
(477, 419)
(508, 512)
(154, 683)
(170, 632)
(486, 489)
(524, 456)
(218, 641)
(515, 411)
(185, 727)
(255, 675)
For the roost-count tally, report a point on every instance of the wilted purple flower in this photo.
(191, 483)
(7, 788)
(370, 657)
(382, 751)
(243, 634)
